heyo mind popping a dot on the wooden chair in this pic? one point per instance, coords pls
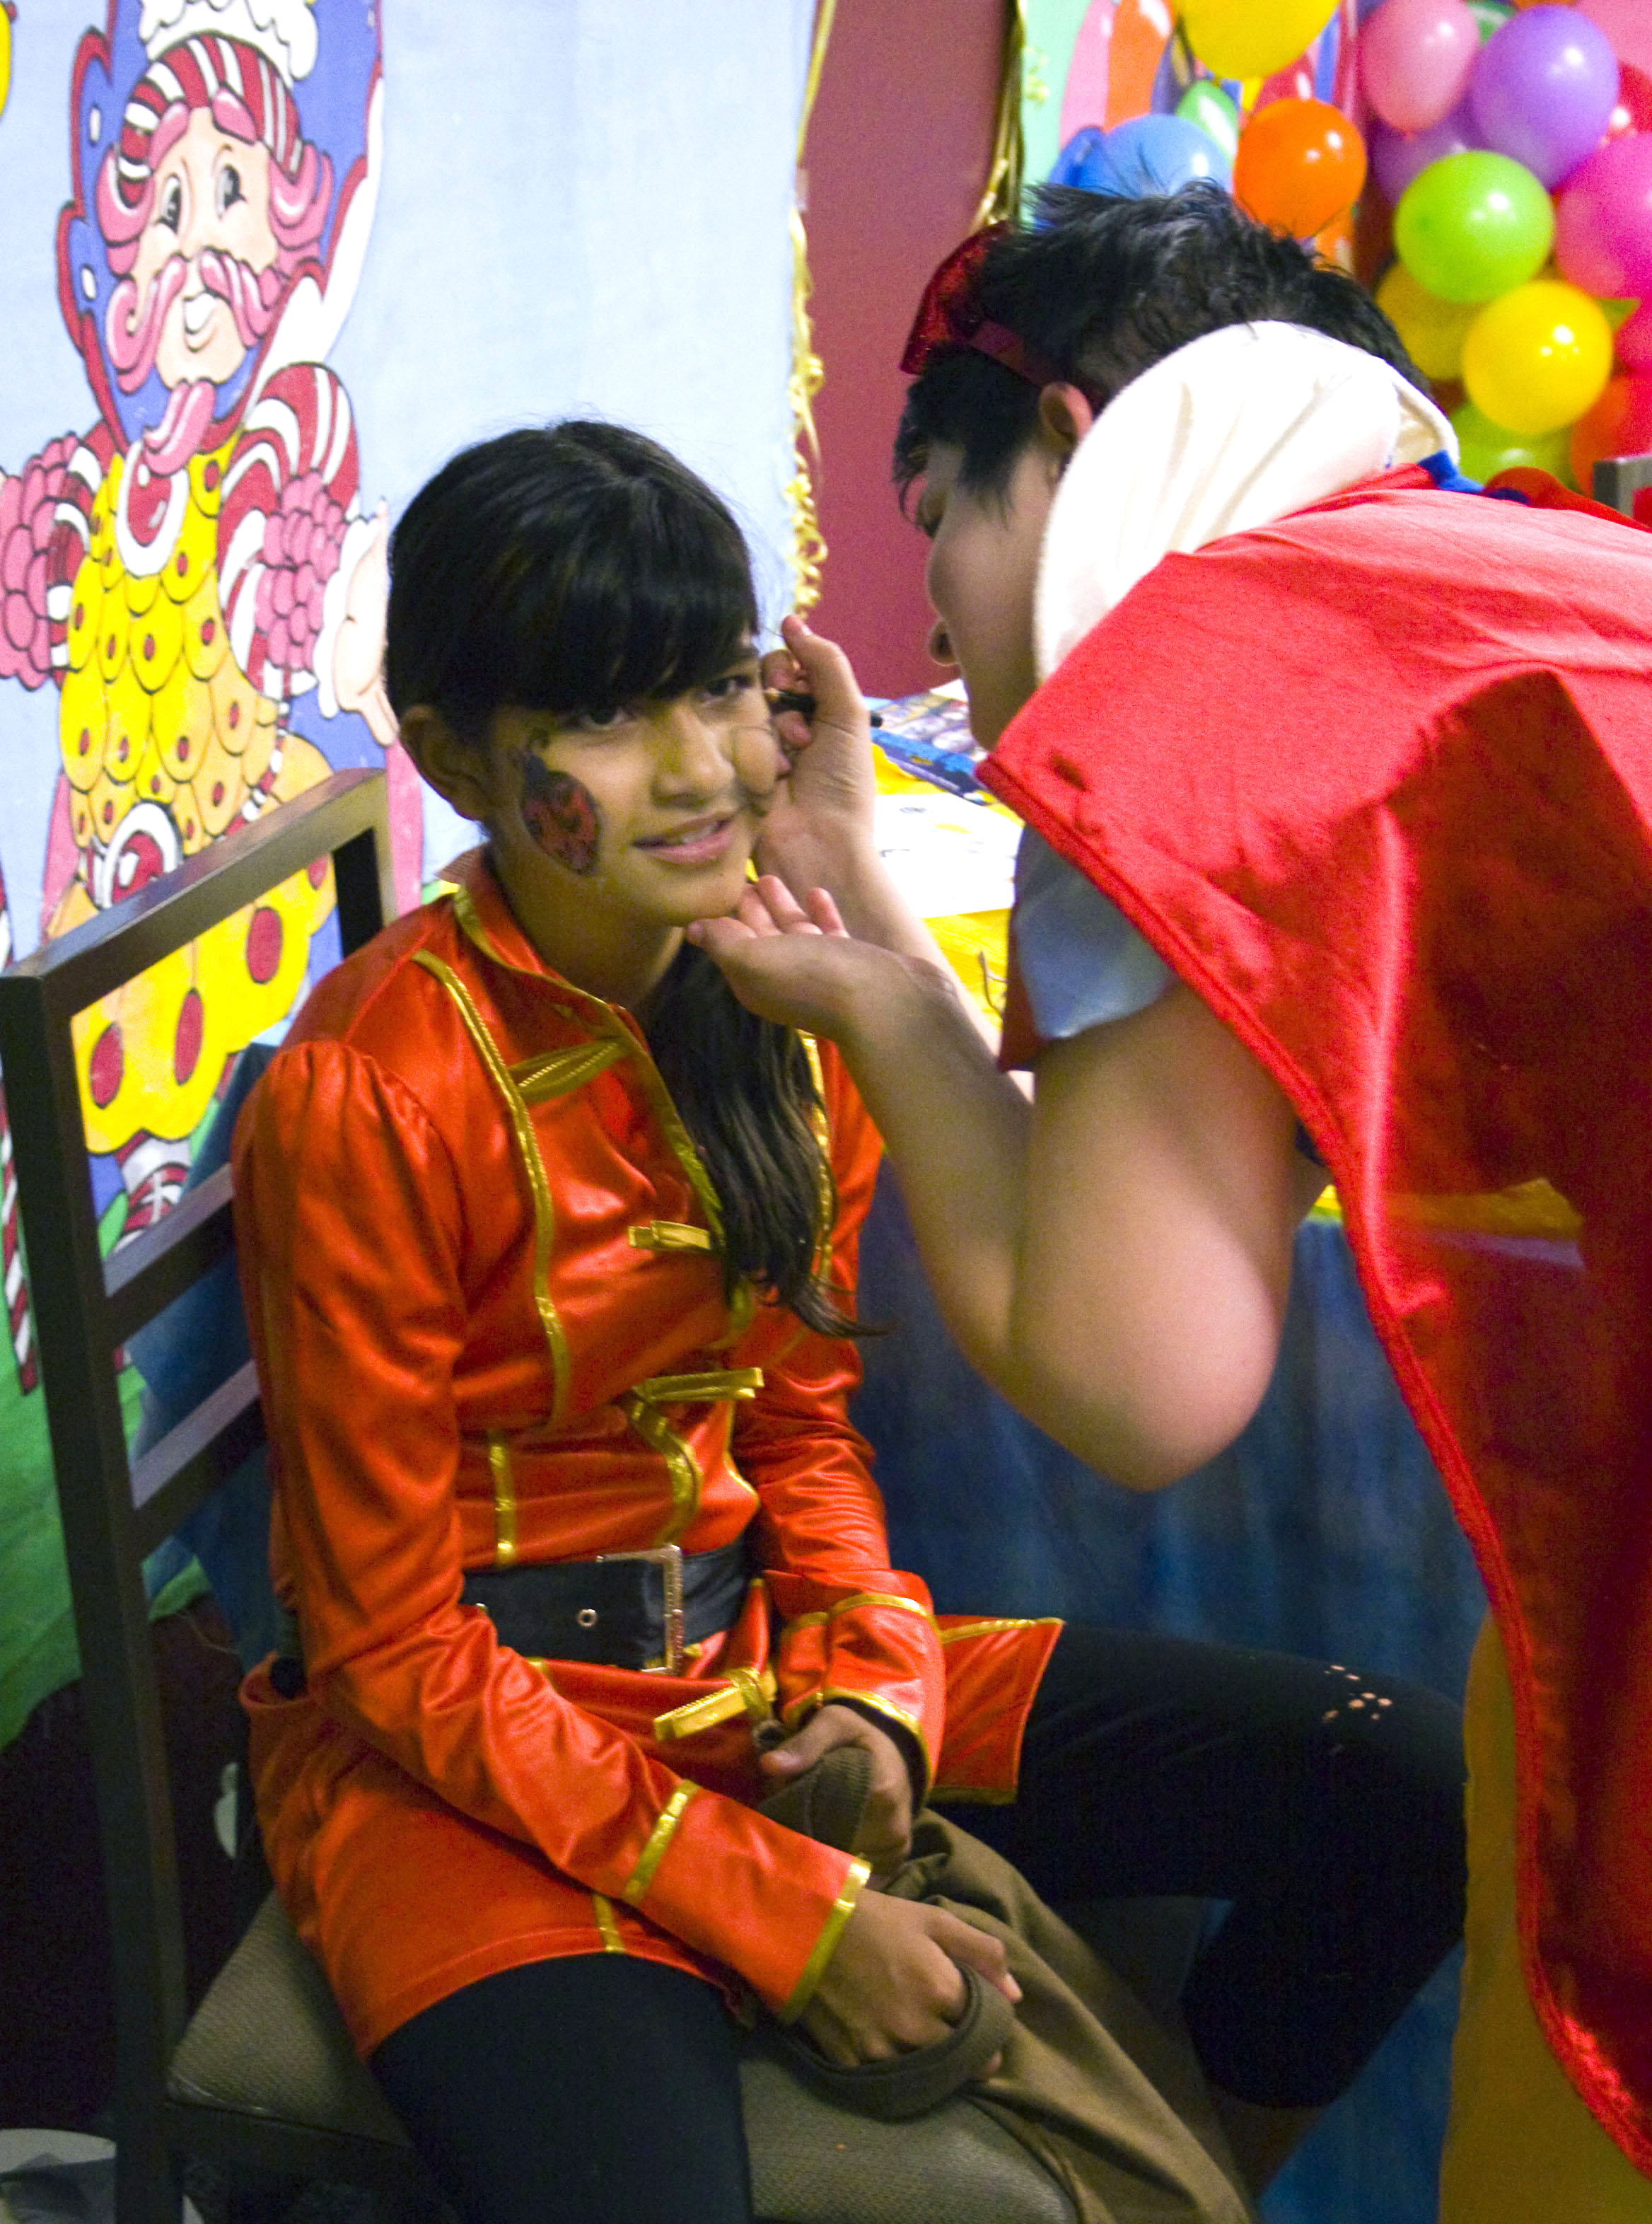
(262, 2078)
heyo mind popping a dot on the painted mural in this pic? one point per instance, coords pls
(193, 567)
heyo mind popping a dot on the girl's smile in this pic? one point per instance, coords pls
(701, 842)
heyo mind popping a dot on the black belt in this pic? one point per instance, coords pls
(621, 1609)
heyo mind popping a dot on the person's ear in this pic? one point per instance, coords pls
(1064, 416)
(459, 773)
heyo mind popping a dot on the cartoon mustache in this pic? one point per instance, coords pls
(132, 328)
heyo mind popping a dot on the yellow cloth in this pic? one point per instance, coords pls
(976, 944)
(1521, 2148)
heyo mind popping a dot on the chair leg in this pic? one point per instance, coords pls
(148, 2179)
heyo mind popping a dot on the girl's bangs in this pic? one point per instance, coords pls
(652, 598)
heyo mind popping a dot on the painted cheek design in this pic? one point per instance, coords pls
(561, 816)
(760, 761)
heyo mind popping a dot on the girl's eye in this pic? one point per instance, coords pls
(228, 188)
(172, 204)
(731, 685)
(601, 722)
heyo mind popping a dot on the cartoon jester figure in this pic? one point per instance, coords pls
(195, 572)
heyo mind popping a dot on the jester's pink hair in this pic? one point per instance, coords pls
(247, 98)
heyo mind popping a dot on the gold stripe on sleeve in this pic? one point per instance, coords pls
(826, 1945)
(504, 1484)
(991, 1628)
(603, 1909)
(659, 1838)
(883, 1598)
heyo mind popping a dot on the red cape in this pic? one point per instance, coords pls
(1377, 781)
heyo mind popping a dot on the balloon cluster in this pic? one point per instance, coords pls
(1515, 149)
(1296, 164)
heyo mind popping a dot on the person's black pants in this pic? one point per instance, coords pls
(1325, 1806)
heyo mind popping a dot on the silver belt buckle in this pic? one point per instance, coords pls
(668, 1558)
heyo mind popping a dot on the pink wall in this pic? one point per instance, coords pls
(899, 146)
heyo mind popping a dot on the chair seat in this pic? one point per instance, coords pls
(268, 2042)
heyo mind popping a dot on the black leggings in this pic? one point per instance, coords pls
(1325, 1806)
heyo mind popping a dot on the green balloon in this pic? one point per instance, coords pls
(1470, 226)
(1488, 449)
(1490, 15)
(1207, 106)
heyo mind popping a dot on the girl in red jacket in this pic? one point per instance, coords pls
(549, 1255)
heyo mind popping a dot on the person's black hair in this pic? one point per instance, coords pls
(1103, 288)
(579, 568)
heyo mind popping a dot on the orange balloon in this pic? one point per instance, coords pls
(1300, 163)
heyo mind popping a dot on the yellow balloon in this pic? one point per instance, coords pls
(1433, 330)
(1538, 357)
(1252, 38)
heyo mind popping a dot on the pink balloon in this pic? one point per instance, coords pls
(1627, 24)
(1634, 341)
(1603, 221)
(1415, 58)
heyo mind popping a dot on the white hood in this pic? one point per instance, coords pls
(1232, 432)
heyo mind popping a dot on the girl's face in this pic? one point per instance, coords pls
(650, 815)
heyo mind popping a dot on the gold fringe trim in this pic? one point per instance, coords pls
(1000, 201)
(603, 1910)
(808, 548)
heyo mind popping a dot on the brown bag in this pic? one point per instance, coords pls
(1111, 2101)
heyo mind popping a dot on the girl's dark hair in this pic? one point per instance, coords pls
(1103, 288)
(578, 568)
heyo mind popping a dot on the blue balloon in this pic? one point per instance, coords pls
(1148, 155)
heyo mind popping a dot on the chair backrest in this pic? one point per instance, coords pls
(116, 1510)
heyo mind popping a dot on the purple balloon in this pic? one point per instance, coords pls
(1544, 88)
(1603, 221)
(1396, 157)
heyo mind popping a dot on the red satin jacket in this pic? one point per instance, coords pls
(480, 1257)
(1377, 781)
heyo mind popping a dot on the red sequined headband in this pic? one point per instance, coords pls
(950, 316)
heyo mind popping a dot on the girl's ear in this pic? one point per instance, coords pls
(1066, 415)
(459, 773)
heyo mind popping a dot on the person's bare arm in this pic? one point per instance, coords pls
(1114, 1258)
(819, 832)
